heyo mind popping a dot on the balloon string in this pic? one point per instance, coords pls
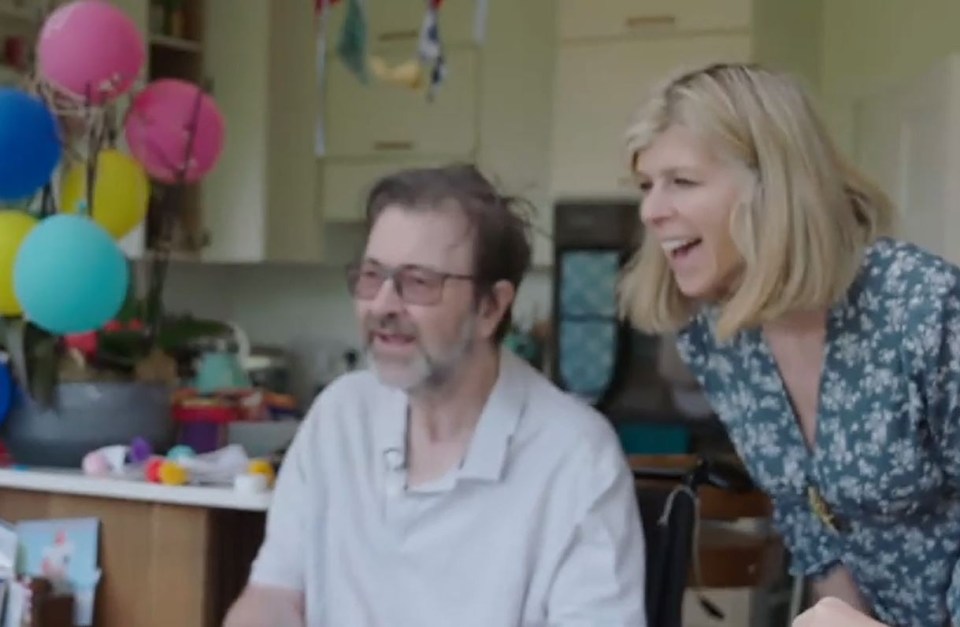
(172, 201)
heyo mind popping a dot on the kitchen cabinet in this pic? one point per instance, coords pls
(345, 185)
(373, 119)
(493, 110)
(394, 21)
(582, 19)
(514, 110)
(598, 86)
(259, 203)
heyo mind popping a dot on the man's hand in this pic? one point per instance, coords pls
(832, 612)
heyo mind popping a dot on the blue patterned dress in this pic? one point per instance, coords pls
(886, 459)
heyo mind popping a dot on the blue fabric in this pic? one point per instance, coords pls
(588, 327)
(886, 456)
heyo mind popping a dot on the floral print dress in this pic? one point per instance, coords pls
(885, 462)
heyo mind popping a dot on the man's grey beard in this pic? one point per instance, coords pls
(431, 371)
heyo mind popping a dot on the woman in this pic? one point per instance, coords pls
(830, 351)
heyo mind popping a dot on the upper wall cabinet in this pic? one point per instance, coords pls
(377, 118)
(392, 21)
(493, 109)
(259, 202)
(597, 89)
(579, 19)
(610, 54)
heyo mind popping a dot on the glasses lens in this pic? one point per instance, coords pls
(419, 286)
(364, 282)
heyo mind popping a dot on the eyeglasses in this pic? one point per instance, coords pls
(415, 285)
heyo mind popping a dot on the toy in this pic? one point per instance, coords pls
(264, 468)
(172, 473)
(95, 464)
(140, 451)
(180, 451)
(151, 471)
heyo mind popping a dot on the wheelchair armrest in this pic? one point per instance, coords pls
(661, 474)
(722, 475)
(718, 474)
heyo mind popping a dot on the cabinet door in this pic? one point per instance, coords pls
(614, 18)
(598, 86)
(400, 20)
(237, 57)
(345, 185)
(377, 119)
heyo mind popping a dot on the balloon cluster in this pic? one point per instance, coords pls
(61, 268)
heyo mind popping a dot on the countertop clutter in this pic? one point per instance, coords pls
(74, 482)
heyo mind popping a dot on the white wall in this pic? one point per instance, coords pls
(303, 308)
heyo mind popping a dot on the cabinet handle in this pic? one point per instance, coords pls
(399, 35)
(649, 21)
(393, 145)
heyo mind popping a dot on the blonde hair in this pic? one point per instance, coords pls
(802, 228)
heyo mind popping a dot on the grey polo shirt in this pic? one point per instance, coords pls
(538, 525)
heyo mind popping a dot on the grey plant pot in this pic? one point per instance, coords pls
(86, 416)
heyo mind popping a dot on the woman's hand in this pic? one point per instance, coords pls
(832, 612)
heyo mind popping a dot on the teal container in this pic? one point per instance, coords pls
(640, 439)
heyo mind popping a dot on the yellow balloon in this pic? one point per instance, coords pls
(14, 228)
(120, 194)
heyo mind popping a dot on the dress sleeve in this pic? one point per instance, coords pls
(932, 351)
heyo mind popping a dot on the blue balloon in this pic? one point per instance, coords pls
(70, 276)
(29, 144)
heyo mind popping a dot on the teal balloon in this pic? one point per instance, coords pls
(29, 144)
(70, 276)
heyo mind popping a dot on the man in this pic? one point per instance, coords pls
(451, 484)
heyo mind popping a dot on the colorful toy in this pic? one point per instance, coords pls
(151, 471)
(181, 451)
(140, 451)
(96, 464)
(172, 473)
(262, 467)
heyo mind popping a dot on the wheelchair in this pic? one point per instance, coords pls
(669, 505)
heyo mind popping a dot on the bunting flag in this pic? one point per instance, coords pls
(480, 10)
(352, 46)
(321, 10)
(430, 47)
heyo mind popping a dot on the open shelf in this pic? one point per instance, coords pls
(179, 44)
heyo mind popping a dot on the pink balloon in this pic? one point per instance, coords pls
(157, 129)
(90, 49)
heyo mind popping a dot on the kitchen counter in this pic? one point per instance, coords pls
(169, 555)
(67, 481)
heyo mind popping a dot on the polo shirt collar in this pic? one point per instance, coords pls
(486, 455)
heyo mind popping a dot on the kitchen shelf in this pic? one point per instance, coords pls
(179, 44)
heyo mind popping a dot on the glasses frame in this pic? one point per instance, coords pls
(395, 276)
